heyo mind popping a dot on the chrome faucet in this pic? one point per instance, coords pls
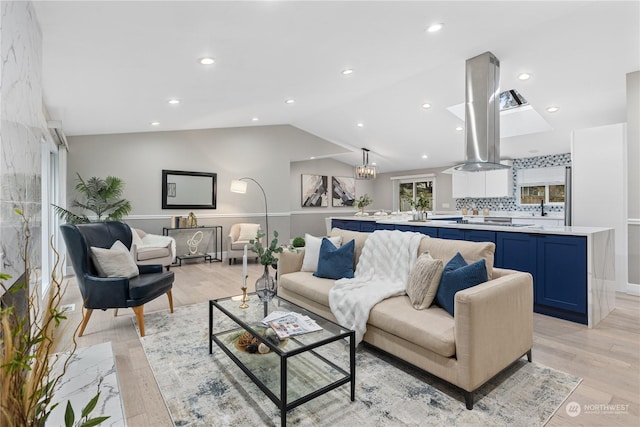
(542, 212)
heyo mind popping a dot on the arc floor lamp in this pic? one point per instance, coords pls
(240, 186)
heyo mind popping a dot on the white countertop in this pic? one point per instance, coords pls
(531, 229)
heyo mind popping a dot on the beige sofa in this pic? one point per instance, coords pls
(492, 328)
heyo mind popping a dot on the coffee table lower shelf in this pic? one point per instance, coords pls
(298, 361)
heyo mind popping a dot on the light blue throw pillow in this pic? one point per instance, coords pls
(335, 263)
(456, 276)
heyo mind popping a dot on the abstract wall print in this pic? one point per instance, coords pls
(314, 191)
(343, 191)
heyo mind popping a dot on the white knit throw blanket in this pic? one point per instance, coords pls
(382, 271)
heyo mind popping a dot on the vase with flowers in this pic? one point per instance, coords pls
(362, 202)
(266, 286)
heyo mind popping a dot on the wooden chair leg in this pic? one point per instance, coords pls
(85, 320)
(115, 313)
(170, 296)
(139, 311)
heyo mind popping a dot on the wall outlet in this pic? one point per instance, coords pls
(445, 205)
(67, 307)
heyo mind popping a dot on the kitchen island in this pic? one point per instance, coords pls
(573, 268)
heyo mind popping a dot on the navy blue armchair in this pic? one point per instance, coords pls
(112, 292)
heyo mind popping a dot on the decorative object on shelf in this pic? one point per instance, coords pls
(314, 191)
(192, 221)
(298, 242)
(420, 204)
(363, 201)
(343, 191)
(102, 198)
(248, 343)
(266, 286)
(238, 186)
(244, 280)
(365, 171)
(194, 241)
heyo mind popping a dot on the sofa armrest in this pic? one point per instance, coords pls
(290, 261)
(493, 326)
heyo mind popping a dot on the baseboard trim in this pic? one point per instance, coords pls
(633, 289)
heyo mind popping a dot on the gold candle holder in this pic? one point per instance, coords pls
(245, 298)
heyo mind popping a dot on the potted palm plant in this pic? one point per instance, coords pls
(102, 197)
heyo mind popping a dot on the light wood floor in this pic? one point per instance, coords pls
(606, 357)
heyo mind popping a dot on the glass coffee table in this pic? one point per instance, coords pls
(296, 369)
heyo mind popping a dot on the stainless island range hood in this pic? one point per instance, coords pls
(482, 114)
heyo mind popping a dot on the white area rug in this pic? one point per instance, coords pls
(202, 389)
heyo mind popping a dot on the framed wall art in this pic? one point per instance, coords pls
(343, 191)
(314, 191)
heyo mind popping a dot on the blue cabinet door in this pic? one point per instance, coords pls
(451, 233)
(404, 227)
(517, 251)
(429, 231)
(480, 236)
(367, 226)
(385, 227)
(562, 273)
(346, 224)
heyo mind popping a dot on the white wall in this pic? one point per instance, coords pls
(633, 178)
(599, 178)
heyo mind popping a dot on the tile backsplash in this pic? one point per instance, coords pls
(510, 203)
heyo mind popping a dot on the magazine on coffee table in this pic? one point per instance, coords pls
(287, 324)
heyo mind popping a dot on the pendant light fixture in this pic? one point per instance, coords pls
(366, 171)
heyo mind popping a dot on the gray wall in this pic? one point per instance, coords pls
(633, 156)
(312, 220)
(261, 152)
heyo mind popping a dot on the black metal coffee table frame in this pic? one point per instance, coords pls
(282, 403)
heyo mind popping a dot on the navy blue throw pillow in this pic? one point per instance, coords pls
(335, 263)
(456, 276)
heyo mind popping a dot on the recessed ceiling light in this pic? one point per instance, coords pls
(374, 164)
(360, 125)
(255, 119)
(289, 101)
(424, 156)
(347, 71)
(524, 76)
(155, 123)
(435, 28)
(552, 109)
(459, 128)
(207, 61)
(426, 105)
(174, 101)
(312, 157)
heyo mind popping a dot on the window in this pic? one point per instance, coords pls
(409, 188)
(541, 185)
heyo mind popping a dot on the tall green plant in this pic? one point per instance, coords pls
(102, 197)
(27, 379)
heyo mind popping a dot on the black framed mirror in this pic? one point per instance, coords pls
(188, 190)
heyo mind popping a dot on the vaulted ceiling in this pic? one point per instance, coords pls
(112, 67)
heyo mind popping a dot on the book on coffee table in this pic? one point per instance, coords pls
(289, 324)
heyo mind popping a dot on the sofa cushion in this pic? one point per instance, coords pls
(424, 280)
(312, 251)
(248, 231)
(146, 253)
(432, 329)
(459, 275)
(357, 236)
(335, 263)
(307, 285)
(114, 262)
(446, 249)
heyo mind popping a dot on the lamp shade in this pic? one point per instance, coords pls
(238, 186)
